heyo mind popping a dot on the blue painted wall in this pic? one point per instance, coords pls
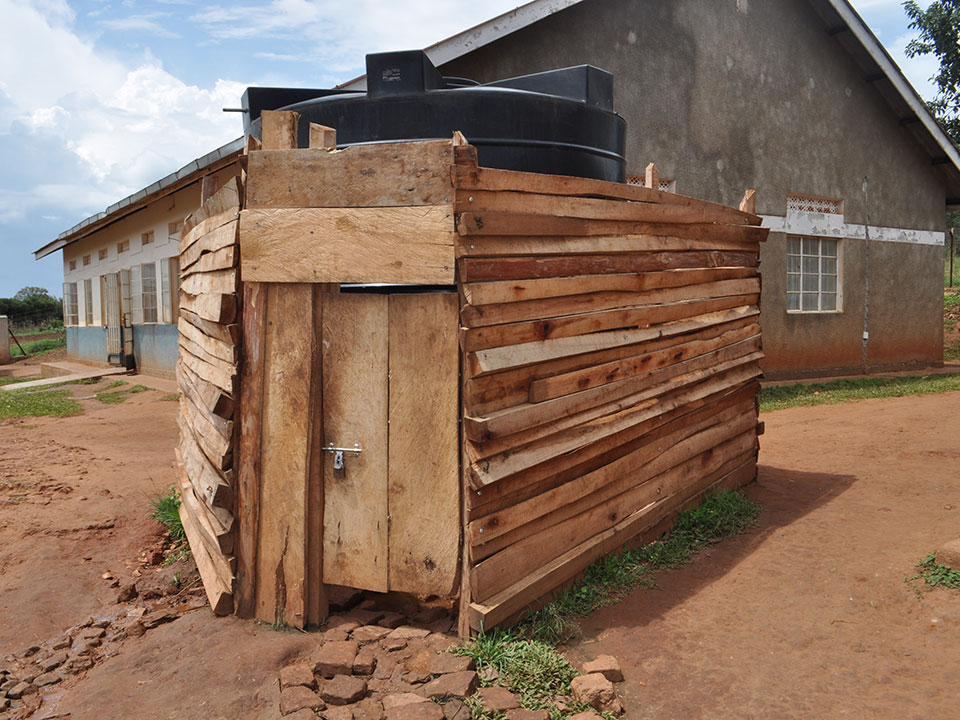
(87, 343)
(156, 349)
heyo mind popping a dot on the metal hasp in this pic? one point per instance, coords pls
(559, 122)
(338, 454)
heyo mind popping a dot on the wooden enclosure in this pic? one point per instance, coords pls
(452, 379)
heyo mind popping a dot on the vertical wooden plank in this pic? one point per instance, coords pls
(355, 411)
(317, 603)
(278, 129)
(323, 137)
(284, 450)
(424, 493)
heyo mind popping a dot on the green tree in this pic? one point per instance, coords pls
(939, 34)
(32, 291)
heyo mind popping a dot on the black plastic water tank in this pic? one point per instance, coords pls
(560, 122)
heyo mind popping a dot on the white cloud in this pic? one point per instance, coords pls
(129, 125)
(148, 22)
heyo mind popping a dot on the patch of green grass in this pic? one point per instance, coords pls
(847, 390)
(24, 403)
(951, 299)
(118, 396)
(166, 511)
(39, 347)
(609, 579)
(935, 575)
(115, 384)
(12, 380)
(171, 396)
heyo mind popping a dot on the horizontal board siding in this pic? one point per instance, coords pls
(611, 353)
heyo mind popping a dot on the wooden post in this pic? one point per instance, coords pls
(278, 129)
(208, 187)
(652, 177)
(323, 137)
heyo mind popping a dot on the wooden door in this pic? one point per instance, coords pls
(390, 384)
(110, 295)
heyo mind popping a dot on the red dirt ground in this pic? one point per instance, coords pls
(805, 617)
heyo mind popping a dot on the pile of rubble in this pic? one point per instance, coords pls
(370, 666)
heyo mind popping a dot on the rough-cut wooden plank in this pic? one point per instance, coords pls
(218, 593)
(533, 330)
(509, 566)
(602, 374)
(412, 245)
(248, 449)
(217, 240)
(284, 443)
(226, 352)
(488, 393)
(216, 307)
(355, 366)
(749, 202)
(529, 415)
(218, 281)
(471, 224)
(394, 174)
(205, 395)
(209, 484)
(322, 137)
(222, 259)
(229, 334)
(545, 308)
(224, 203)
(211, 369)
(475, 269)
(474, 178)
(424, 487)
(674, 239)
(209, 433)
(217, 538)
(492, 360)
(660, 454)
(481, 203)
(525, 594)
(683, 405)
(510, 291)
(498, 467)
(278, 129)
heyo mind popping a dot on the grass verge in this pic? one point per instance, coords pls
(38, 347)
(24, 403)
(114, 397)
(166, 511)
(847, 390)
(524, 656)
(934, 575)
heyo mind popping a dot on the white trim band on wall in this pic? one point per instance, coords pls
(833, 226)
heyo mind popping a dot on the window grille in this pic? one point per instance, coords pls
(86, 260)
(169, 289)
(123, 246)
(813, 274)
(88, 301)
(148, 290)
(102, 255)
(805, 203)
(70, 304)
(146, 238)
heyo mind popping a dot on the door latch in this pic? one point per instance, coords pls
(338, 454)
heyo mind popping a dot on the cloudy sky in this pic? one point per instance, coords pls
(99, 98)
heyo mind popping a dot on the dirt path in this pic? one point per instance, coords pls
(806, 617)
(809, 615)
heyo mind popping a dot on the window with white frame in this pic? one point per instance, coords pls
(70, 315)
(169, 289)
(813, 275)
(88, 301)
(148, 292)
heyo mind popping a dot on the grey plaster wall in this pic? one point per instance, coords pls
(726, 95)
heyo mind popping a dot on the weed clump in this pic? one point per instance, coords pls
(166, 511)
(934, 575)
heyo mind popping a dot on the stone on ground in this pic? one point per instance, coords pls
(497, 699)
(344, 689)
(46, 679)
(607, 666)
(949, 554)
(415, 711)
(369, 633)
(336, 658)
(398, 699)
(338, 713)
(456, 710)
(299, 698)
(524, 714)
(299, 674)
(405, 632)
(365, 662)
(448, 662)
(585, 716)
(457, 684)
(597, 692)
